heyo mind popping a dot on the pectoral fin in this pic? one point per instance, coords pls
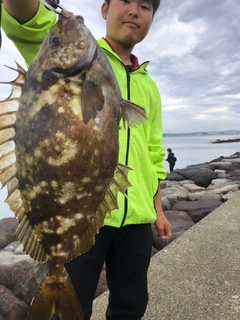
(132, 114)
(92, 99)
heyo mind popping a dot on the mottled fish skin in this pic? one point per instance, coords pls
(63, 173)
(68, 164)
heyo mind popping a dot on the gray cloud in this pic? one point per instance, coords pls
(194, 50)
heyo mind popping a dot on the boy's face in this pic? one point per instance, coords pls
(128, 21)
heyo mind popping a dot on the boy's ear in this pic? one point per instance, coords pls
(104, 9)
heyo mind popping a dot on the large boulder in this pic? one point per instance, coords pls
(197, 210)
(174, 176)
(174, 194)
(20, 277)
(234, 175)
(11, 308)
(223, 165)
(205, 196)
(7, 230)
(201, 176)
(223, 186)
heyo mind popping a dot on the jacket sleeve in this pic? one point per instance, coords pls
(29, 36)
(156, 149)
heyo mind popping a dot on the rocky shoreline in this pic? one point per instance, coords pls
(225, 141)
(188, 195)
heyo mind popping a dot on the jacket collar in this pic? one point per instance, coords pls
(106, 46)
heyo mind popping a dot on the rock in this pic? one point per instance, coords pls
(166, 204)
(13, 247)
(7, 230)
(197, 210)
(173, 216)
(226, 189)
(102, 283)
(236, 154)
(201, 176)
(154, 251)
(221, 173)
(11, 308)
(193, 188)
(234, 160)
(167, 184)
(182, 183)
(227, 165)
(21, 274)
(174, 194)
(221, 183)
(234, 175)
(205, 165)
(174, 176)
(204, 196)
(217, 159)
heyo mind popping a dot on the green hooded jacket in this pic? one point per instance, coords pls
(140, 148)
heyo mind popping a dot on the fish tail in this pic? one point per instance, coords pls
(56, 296)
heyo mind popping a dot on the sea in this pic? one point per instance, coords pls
(188, 150)
(198, 149)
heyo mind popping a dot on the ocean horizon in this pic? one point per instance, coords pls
(197, 149)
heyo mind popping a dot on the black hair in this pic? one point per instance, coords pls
(155, 4)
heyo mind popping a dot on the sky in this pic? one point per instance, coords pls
(194, 51)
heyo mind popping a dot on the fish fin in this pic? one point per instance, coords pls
(120, 183)
(56, 296)
(85, 243)
(132, 114)
(92, 99)
(27, 237)
(8, 169)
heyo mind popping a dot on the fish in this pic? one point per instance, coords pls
(59, 155)
(0, 23)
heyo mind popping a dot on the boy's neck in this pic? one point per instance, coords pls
(123, 52)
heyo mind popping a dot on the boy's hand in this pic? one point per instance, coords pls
(163, 226)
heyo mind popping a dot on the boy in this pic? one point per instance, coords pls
(125, 241)
(171, 159)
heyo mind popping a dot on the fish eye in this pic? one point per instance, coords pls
(55, 41)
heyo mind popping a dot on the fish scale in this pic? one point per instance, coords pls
(59, 155)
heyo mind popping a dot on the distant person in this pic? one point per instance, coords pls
(171, 159)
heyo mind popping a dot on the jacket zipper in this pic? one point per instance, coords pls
(128, 130)
(127, 150)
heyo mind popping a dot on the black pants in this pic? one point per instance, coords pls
(171, 166)
(127, 253)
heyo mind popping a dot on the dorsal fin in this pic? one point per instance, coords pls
(8, 170)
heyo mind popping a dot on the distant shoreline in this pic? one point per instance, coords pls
(224, 141)
(202, 133)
